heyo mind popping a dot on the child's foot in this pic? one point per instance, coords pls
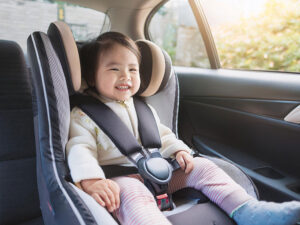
(267, 213)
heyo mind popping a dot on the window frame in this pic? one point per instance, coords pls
(20, 32)
(203, 28)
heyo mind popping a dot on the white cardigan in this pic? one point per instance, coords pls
(89, 147)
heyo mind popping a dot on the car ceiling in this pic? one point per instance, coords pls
(126, 16)
(105, 5)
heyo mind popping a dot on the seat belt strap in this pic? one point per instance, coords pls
(147, 125)
(109, 122)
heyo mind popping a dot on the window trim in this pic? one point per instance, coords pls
(149, 18)
(203, 27)
(206, 34)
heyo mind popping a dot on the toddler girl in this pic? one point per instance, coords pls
(110, 67)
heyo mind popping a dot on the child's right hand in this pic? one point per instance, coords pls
(105, 191)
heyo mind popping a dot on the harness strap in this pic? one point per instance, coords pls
(109, 122)
(147, 125)
(163, 199)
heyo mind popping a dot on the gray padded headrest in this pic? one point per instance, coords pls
(65, 47)
(155, 68)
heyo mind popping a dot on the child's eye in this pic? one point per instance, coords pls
(114, 69)
(133, 70)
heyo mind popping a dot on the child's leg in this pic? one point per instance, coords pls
(232, 198)
(138, 205)
(213, 182)
(267, 213)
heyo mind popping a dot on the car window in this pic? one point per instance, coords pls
(173, 27)
(19, 18)
(256, 34)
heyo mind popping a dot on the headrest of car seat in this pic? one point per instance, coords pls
(65, 46)
(14, 77)
(16, 104)
(155, 68)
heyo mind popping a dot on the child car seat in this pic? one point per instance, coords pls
(19, 202)
(159, 86)
(59, 197)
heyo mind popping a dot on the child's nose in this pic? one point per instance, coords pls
(125, 75)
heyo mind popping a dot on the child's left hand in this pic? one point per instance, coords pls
(185, 161)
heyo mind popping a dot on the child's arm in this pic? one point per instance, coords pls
(81, 148)
(185, 161)
(105, 191)
(83, 162)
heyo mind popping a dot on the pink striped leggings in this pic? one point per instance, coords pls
(138, 206)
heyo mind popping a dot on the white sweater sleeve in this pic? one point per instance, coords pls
(81, 148)
(170, 143)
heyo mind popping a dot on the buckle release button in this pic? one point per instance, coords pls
(158, 167)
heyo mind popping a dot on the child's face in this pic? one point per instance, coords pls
(118, 76)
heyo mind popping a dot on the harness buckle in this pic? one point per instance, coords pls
(164, 202)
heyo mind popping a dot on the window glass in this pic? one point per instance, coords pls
(174, 28)
(256, 34)
(19, 18)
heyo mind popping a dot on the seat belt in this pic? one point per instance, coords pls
(155, 170)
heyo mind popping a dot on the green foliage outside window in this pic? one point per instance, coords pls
(268, 41)
(174, 29)
(169, 41)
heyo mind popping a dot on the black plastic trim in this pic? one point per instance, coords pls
(264, 107)
(279, 185)
(238, 84)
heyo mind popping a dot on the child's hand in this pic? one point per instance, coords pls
(185, 161)
(105, 191)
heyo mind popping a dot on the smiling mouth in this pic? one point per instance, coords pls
(123, 87)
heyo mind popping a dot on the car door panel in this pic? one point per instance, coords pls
(270, 108)
(239, 116)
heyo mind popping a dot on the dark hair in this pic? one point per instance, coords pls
(91, 52)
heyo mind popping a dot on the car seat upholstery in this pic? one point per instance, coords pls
(53, 71)
(19, 193)
(61, 202)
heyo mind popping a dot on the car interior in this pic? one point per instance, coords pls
(245, 121)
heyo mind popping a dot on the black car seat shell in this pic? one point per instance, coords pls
(61, 201)
(19, 199)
